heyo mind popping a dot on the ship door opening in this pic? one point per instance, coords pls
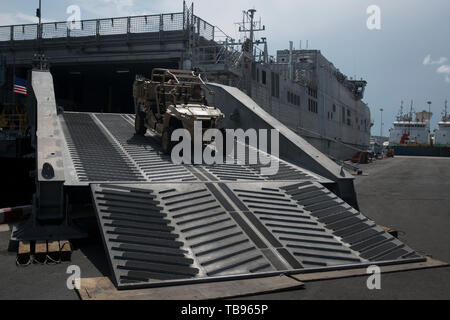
(104, 88)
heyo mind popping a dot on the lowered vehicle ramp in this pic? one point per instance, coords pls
(165, 224)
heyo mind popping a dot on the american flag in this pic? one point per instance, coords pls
(20, 86)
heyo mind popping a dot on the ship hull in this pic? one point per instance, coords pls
(422, 151)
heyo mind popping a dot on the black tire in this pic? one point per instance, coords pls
(166, 140)
(139, 124)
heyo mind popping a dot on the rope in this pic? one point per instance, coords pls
(23, 265)
(50, 260)
(35, 261)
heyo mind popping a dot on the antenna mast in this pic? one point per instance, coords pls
(251, 26)
(410, 117)
(445, 110)
(400, 116)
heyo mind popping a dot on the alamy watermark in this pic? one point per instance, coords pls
(251, 147)
(74, 280)
(374, 19)
(374, 280)
(74, 19)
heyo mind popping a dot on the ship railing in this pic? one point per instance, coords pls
(218, 55)
(109, 26)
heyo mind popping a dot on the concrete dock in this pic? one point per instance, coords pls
(408, 194)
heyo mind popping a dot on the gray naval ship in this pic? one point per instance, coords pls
(165, 224)
(300, 88)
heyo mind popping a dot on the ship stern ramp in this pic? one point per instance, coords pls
(167, 224)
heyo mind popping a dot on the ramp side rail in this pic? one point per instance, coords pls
(50, 165)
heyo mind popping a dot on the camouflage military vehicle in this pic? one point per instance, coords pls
(170, 100)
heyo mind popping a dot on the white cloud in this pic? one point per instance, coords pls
(444, 69)
(7, 19)
(22, 17)
(19, 18)
(440, 61)
(429, 61)
(108, 8)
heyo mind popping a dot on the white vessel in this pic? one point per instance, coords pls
(410, 131)
(442, 135)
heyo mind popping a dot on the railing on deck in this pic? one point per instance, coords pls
(218, 54)
(104, 27)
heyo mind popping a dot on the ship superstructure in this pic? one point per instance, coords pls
(314, 99)
(301, 88)
(442, 135)
(410, 130)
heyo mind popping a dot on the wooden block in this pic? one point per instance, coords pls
(24, 252)
(65, 250)
(326, 275)
(391, 231)
(53, 250)
(40, 251)
(4, 228)
(104, 289)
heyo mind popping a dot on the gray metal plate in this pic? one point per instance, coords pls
(103, 148)
(166, 233)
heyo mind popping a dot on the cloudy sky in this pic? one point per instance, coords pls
(408, 59)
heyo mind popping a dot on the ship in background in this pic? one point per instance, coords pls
(300, 88)
(442, 135)
(410, 131)
(411, 134)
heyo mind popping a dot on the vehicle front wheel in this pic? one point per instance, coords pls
(166, 140)
(139, 124)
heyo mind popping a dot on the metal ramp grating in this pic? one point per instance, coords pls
(94, 155)
(166, 224)
(170, 233)
(103, 148)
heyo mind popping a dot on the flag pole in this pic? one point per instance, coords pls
(14, 78)
(39, 26)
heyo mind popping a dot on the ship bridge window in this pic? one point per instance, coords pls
(312, 92)
(293, 98)
(330, 115)
(312, 106)
(275, 84)
(272, 84)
